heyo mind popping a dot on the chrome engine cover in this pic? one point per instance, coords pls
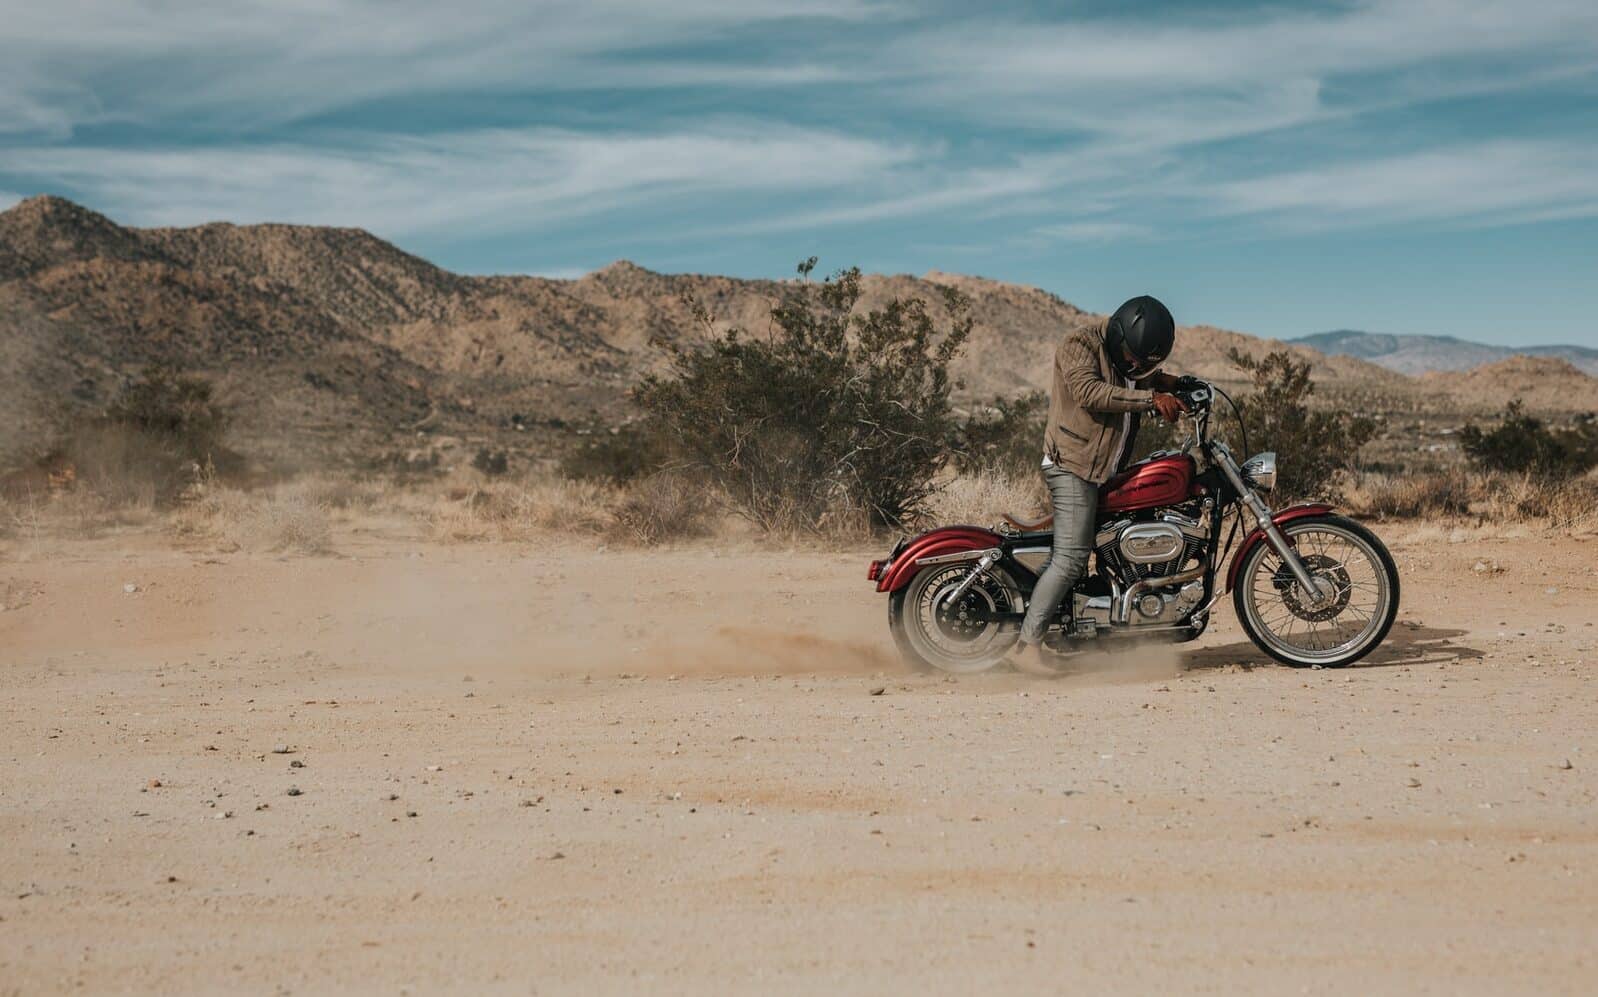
(1152, 543)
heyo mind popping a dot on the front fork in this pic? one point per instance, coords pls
(1273, 534)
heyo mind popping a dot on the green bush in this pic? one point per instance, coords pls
(1524, 444)
(834, 415)
(1311, 446)
(1004, 435)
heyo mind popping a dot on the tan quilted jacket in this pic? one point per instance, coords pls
(1087, 406)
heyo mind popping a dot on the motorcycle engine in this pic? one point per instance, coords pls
(1151, 548)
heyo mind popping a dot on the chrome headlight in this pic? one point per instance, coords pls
(1260, 471)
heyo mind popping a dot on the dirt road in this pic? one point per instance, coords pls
(416, 768)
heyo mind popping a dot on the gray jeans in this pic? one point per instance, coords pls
(1076, 504)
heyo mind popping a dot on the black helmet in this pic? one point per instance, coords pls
(1139, 336)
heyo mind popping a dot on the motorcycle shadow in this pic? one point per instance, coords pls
(1406, 644)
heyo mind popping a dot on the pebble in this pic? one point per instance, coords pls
(1565, 765)
(878, 690)
(1414, 783)
(281, 749)
(295, 791)
(296, 764)
(130, 588)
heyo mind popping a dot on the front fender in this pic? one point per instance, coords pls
(1257, 535)
(944, 540)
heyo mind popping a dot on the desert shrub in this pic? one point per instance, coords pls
(159, 432)
(178, 410)
(833, 415)
(663, 507)
(276, 520)
(1521, 443)
(490, 462)
(1311, 446)
(289, 522)
(617, 455)
(1004, 435)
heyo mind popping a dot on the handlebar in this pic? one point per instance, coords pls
(1195, 394)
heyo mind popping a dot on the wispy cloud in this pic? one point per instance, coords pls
(1092, 231)
(487, 181)
(277, 60)
(1483, 182)
(1075, 126)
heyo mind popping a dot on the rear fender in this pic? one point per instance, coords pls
(1257, 536)
(944, 540)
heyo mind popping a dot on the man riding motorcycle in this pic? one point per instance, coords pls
(1106, 374)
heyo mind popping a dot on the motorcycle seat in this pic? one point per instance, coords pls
(1024, 526)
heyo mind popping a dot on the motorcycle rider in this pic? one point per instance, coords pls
(1106, 374)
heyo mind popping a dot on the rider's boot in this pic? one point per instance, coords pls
(1036, 659)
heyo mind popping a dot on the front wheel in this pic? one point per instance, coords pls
(962, 638)
(1360, 596)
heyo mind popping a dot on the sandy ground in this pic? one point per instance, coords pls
(413, 768)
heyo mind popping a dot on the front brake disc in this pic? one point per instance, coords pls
(1319, 566)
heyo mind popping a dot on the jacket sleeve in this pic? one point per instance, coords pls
(1158, 381)
(1078, 369)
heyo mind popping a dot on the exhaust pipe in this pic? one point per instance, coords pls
(1122, 611)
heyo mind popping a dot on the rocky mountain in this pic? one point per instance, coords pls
(330, 342)
(1422, 354)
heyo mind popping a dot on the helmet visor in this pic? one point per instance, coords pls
(1137, 367)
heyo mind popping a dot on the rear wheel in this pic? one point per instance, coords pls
(1357, 604)
(962, 638)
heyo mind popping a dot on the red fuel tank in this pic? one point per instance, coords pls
(1163, 481)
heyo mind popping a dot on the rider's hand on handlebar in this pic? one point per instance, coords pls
(1168, 406)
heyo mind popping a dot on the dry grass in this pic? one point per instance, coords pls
(78, 514)
(1410, 496)
(304, 515)
(652, 510)
(484, 510)
(982, 497)
(1459, 494)
(270, 520)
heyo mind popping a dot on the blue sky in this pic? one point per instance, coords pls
(1396, 165)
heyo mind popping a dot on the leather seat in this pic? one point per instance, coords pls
(1021, 526)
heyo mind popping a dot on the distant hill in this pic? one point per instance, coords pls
(1542, 383)
(1423, 354)
(331, 343)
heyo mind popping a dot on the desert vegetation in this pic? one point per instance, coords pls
(835, 423)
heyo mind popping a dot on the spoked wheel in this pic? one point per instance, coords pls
(962, 638)
(1354, 607)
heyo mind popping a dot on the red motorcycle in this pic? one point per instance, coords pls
(1310, 587)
